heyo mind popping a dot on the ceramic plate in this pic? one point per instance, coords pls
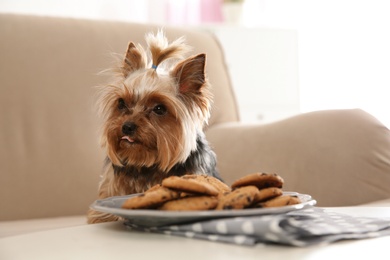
(150, 217)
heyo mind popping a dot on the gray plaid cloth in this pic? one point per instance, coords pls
(298, 228)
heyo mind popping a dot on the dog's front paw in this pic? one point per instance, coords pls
(95, 217)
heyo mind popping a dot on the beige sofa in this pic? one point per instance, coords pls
(50, 160)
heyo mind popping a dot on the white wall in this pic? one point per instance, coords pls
(344, 53)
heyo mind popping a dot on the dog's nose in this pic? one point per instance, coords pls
(129, 128)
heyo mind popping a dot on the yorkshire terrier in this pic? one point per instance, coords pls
(154, 113)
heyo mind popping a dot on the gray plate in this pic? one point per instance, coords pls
(154, 218)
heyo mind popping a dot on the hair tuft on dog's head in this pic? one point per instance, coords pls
(161, 50)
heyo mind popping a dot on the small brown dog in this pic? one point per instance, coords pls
(154, 112)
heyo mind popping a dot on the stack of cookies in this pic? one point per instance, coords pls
(203, 192)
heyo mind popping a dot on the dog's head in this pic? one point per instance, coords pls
(155, 107)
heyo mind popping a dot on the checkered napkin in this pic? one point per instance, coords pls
(298, 228)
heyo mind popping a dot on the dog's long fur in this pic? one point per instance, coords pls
(154, 113)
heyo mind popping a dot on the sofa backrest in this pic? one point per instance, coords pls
(50, 159)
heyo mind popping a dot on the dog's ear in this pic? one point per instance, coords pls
(190, 73)
(133, 60)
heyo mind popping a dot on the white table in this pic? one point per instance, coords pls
(114, 241)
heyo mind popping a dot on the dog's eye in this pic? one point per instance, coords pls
(160, 110)
(121, 104)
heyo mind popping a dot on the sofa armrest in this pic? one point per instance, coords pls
(340, 157)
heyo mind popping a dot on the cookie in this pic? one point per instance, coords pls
(280, 201)
(155, 187)
(267, 194)
(189, 186)
(260, 180)
(219, 185)
(238, 199)
(151, 199)
(191, 203)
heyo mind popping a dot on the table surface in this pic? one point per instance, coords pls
(114, 241)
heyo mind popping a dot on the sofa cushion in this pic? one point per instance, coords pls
(19, 227)
(50, 159)
(340, 157)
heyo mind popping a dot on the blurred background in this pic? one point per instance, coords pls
(322, 54)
